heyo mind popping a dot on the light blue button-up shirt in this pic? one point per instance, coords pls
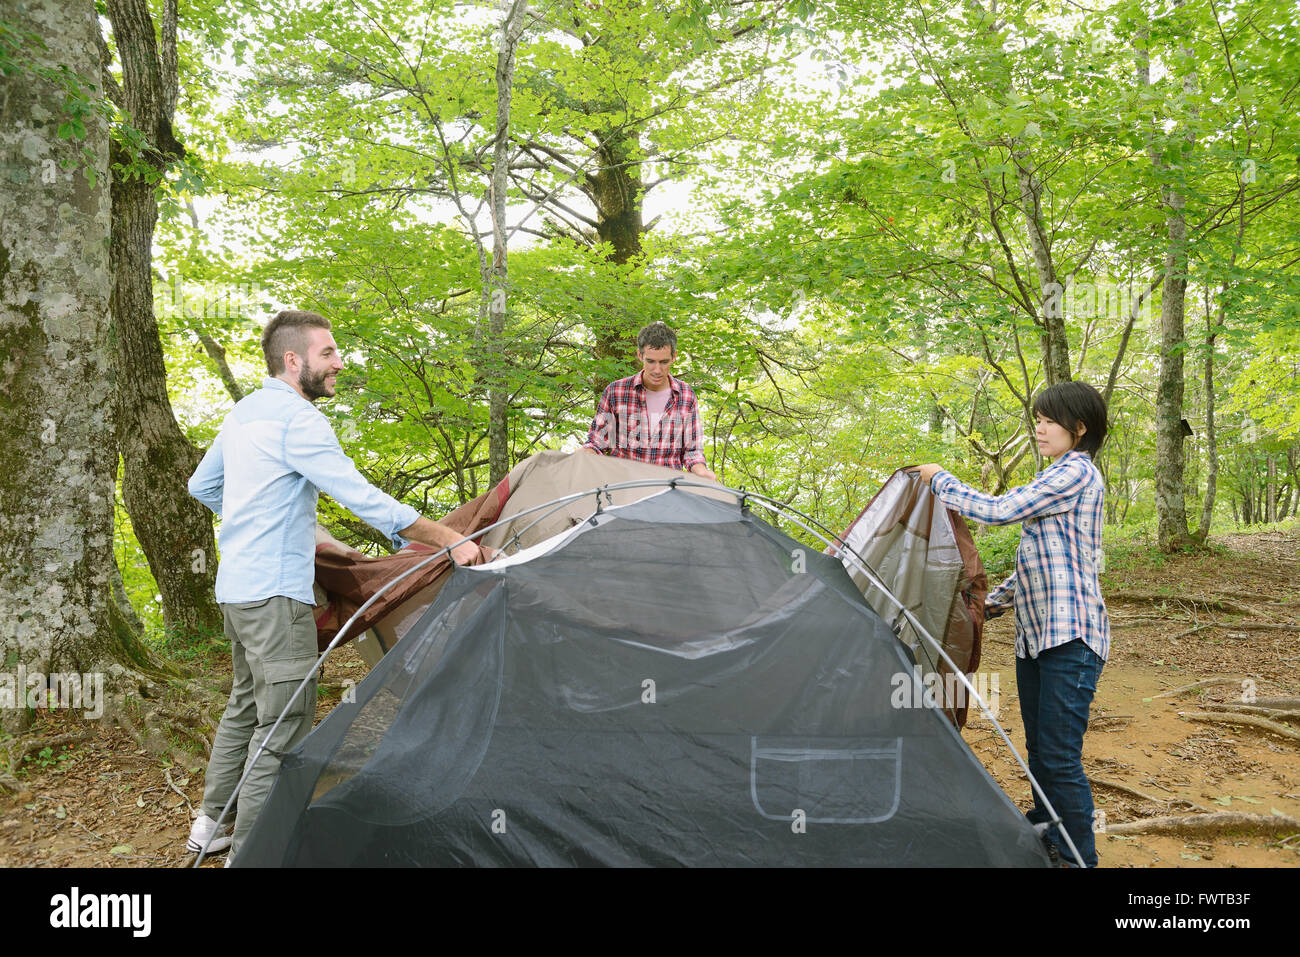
(262, 475)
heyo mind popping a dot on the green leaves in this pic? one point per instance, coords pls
(848, 254)
(72, 129)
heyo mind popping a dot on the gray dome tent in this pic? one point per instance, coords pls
(673, 681)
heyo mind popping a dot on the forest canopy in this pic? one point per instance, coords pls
(878, 228)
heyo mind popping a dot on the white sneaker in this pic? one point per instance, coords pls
(204, 827)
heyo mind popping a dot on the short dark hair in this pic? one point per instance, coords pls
(287, 332)
(657, 335)
(1071, 404)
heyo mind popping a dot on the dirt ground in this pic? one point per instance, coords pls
(1165, 637)
(110, 803)
(1177, 621)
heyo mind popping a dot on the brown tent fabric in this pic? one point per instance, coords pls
(926, 556)
(345, 578)
(551, 475)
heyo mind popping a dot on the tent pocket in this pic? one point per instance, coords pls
(856, 782)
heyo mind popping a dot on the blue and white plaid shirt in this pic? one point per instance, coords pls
(1054, 588)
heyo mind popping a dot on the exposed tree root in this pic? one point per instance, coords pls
(1125, 789)
(1247, 720)
(1197, 685)
(1280, 714)
(1209, 825)
(176, 726)
(1213, 602)
(1253, 596)
(1286, 704)
(1235, 626)
(1118, 623)
(172, 784)
(1191, 631)
(1106, 719)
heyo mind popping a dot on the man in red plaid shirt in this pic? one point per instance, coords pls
(651, 417)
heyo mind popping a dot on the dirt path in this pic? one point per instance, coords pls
(109, 804)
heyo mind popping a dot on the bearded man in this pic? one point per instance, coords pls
(262, 475)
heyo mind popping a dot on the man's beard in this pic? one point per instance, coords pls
(313, 384)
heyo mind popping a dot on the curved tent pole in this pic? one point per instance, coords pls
(793, 514)
(557, 505)
(337, 640)
(338, 637)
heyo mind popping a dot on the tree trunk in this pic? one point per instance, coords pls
(174, 530)
(498, 281)
(1270, 489)
(125, 610)
(1136, 304)
(56, 461)
(1248, 492)
(1052, 336)
(1294, 469)
(1171, 509)
(1211, 441)
(1172, 531)
(217, 353)
(934, 419)
(615, 190)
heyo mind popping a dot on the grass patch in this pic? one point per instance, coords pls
(997, 546)
(48, 758)
(1126, 557)
(187, 648)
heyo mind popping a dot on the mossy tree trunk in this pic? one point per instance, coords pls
(57, 460)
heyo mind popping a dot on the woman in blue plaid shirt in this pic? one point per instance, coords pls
(1062, 630)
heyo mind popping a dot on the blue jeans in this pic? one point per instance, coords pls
(1056, 690)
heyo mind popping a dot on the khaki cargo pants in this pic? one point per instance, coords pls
(273, 647)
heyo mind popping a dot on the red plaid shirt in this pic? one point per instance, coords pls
(622, 425)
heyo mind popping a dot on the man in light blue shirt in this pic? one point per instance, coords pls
(262, 475)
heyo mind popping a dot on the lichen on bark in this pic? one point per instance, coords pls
(57, 462)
